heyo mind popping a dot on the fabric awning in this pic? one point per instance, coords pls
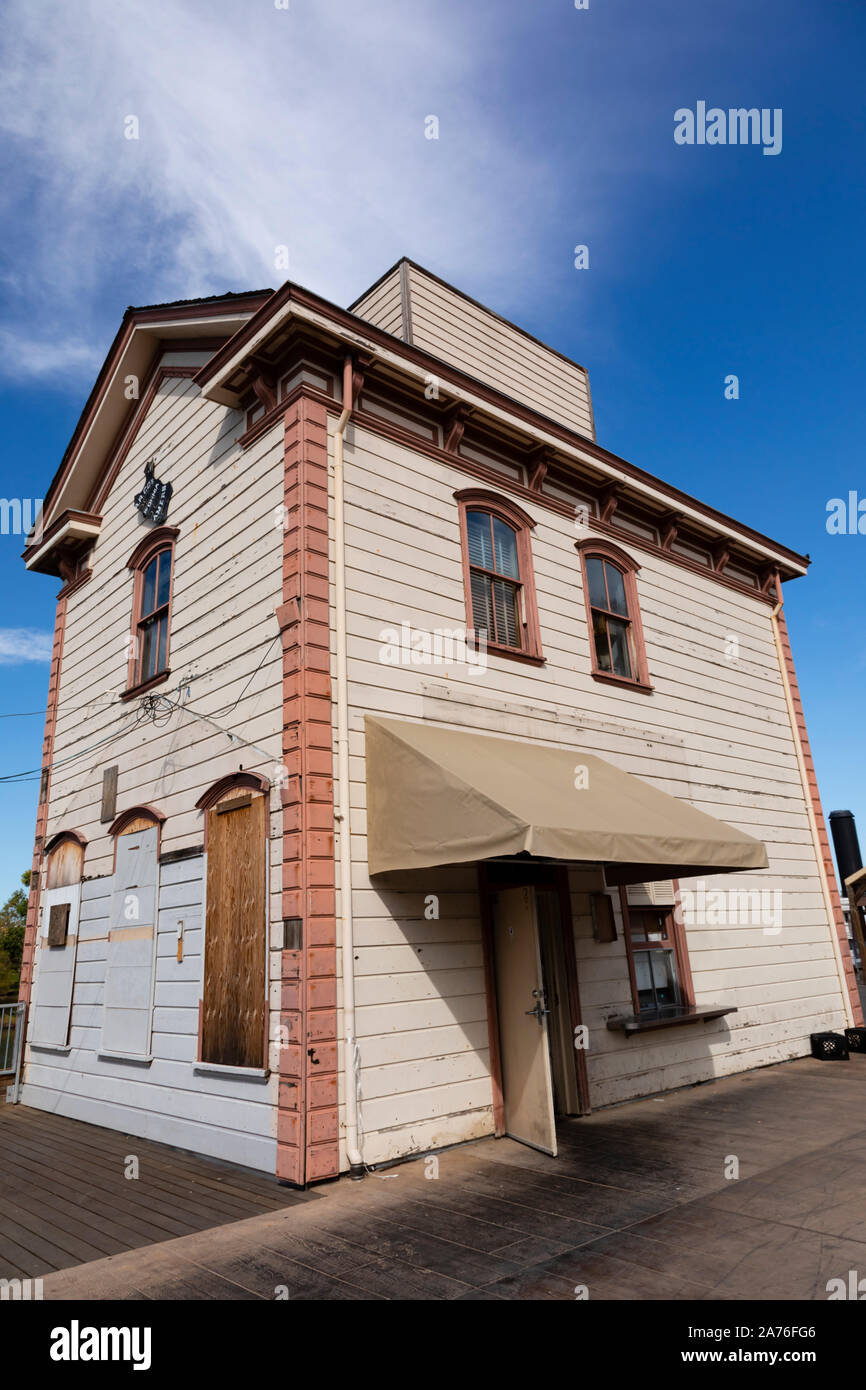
(450, 796)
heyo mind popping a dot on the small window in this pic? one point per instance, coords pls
(500, 594)
(616, 638)
(149, 645)
(655, 963)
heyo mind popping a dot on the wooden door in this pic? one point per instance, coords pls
(233, 1006)
(526, 1079)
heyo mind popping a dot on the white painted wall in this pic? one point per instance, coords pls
(714, 733)
(225, 658)
(166, 1099)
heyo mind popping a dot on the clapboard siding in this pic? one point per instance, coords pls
(166, 1099)
(383, 304)
(715, 733)
(477, 341)
(225, 645)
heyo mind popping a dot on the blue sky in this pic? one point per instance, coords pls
(304, 127)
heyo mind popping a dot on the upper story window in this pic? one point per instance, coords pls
(613, 614)
(497, 570)
(152, 562)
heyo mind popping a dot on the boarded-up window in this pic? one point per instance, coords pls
(58, 924)
(55, 967)
(233, 1007)
(55, 959)
(128, 1000)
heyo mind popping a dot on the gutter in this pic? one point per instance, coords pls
(351, 1052)
(813, 824)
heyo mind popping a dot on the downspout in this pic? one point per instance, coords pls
(810, 811)
(351, 1055)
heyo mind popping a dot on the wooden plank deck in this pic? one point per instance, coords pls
(639, 1204)
(65, 1198)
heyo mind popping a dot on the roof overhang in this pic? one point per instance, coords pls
(228, 375)
(56, 551)
(144, 335)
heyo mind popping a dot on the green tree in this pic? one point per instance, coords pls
(13, 915)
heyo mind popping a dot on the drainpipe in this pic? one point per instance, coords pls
(810, 811)
(351, 1057)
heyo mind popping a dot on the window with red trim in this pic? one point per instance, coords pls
(153, 563)
(613, 613)
(658, 960)
(497, 563)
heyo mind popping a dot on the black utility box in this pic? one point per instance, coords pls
(856, 1039)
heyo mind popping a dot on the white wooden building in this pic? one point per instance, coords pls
(415, 769)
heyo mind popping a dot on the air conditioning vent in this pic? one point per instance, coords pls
(657, 894)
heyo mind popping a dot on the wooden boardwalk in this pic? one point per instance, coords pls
(641, 1203)
(65, 1198)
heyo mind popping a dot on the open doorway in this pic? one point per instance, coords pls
(533, 1001)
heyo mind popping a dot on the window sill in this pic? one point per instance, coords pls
(644, 1023)
(643, 686)
(143, 687)
(145, 1058)
(242, 1073)
(62, 1049)
(513, 654)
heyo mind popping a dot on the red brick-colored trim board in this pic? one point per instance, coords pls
(826, 852)
(307, 1114)
(32, 919)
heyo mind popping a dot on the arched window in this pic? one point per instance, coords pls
(612, 610)
(497, 570)
(152, 562)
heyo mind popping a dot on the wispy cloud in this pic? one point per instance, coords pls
(25, 358)
(20, 644)
(258, 128)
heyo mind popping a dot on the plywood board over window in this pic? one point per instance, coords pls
(233, 1004)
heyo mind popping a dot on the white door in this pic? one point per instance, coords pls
(526, 1080)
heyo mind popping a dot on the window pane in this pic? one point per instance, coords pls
(616, 590)
(643, 979)
(505, 546)
(148, 592)
(620, 659)
(479, 541)
(599, 634)
(595, 579)
(482, 606)
(162, 587)
(163, 644)
(638, 930)
(507, 617)
(146, 635)
(664, 974)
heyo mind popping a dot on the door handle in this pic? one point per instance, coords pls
(538, 1012)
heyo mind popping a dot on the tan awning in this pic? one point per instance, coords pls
(448, 796)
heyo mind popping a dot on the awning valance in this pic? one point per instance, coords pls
(451, 796)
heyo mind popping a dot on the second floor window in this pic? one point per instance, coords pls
(497, 560)
(494, 578)
(152, 563)
(615, 634)
(611, 625)
(152, 626)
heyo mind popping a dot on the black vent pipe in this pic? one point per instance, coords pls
(844, 832)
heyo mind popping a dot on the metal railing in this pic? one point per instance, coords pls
(12, 1043)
